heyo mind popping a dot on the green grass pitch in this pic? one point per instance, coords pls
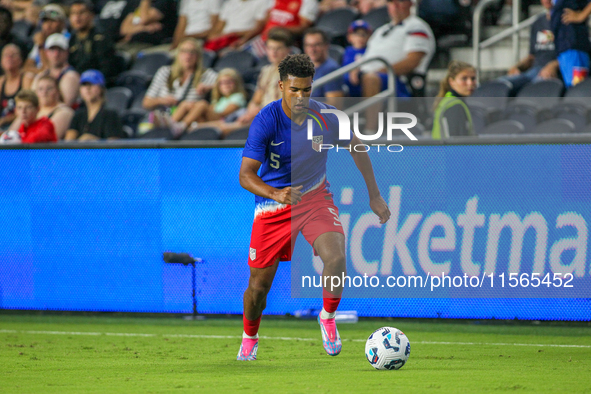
(81, 354)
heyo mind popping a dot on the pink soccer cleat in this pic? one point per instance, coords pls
(330, 336)
(248, 349)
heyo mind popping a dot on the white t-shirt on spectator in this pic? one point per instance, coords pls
(309, 10)
(242, 15)
(198, 14)
(393, 43)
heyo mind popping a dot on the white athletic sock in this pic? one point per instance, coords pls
(248, 336)
(325, 315)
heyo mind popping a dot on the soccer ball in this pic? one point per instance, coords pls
(387, 348)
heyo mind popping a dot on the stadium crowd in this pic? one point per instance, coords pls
(202, 69)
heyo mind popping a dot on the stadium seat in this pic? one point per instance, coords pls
(544, 93)
(494, 94)
(240, 134)
(581, 90)
(336, 52)
(157, 134)
(534, 102)
(251, 75)
(504, 127)
(241, 61)
(22, 29)
(555, 126)
(138, 100)
(335, 23)
(208, 58)
(262, 62)
(481, 116)
(132, 117)
(377, 17)
(118, 98)
(124, 59)
(149, 63)
(579, 95)
(528, 114)
(204, 134)
(136, 81)
(576, 112)
(250, 89)
(576, 105)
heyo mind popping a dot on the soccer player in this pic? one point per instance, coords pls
(292, 195)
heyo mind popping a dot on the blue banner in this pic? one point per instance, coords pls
(85, 229)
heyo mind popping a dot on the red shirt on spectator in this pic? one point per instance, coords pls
(41, 130)
(287, 13)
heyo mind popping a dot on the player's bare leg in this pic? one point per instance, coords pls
(331, 249)
(255, 301)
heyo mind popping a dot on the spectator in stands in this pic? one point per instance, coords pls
(293, 15)
(227, 97)
(94, 121)
(31, 129)
(237, 19)
(571, 32)
(12, 82)
(18, 9)
(407, 43)
(358, 33)
(52, 107)
(541, 62)
(89, 48)
(365, 6)
(267, 90)
(452, 116)
(56, 51)
(197, 19)
(6, 37)
(110, 18)
(150, 24)
(316, 45)
(331, 5)
(184, 80)
(53, 21)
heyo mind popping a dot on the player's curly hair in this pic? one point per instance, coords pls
(299, 66)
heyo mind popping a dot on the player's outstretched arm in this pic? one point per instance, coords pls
(363, 163)
(251, 181)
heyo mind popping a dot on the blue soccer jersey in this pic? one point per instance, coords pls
(288, 157)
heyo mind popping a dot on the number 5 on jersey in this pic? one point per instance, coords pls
(275, 160)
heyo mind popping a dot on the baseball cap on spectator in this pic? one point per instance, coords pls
(52, 12)
(359, 24)
(57, 40)
(93, 77)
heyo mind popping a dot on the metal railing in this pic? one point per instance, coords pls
(389, 92)
(513, 31)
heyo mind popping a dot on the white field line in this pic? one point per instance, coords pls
(133, 334)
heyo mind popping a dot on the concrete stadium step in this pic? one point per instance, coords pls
(494, 58)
